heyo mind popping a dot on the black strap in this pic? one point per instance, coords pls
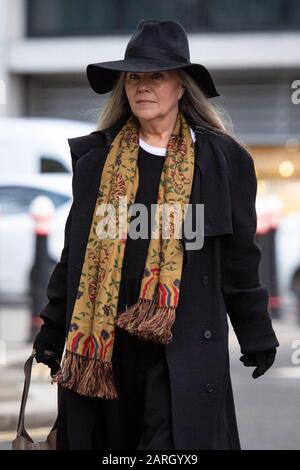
(21, 430)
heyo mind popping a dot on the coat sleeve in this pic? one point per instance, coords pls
(54, 312)
(245, 297)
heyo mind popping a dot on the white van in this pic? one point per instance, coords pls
(35, 160)
(288, 260)
(31, 145)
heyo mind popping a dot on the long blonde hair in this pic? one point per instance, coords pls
(194, 105)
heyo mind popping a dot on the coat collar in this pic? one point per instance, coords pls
(211, 185)
(97, 139)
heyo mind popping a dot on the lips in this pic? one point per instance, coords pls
(145, 101)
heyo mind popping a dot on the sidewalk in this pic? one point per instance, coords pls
(42, 400)
(41, 404)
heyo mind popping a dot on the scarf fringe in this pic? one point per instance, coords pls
(86, 376)
(148, 321)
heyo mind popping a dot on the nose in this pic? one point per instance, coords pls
(142, 86)
(142, 83)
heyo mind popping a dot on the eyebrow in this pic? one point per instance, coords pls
(149, 73)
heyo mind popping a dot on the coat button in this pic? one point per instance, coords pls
(207, 334)
(209, 388)
(204, 280)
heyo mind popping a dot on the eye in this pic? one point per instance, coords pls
(132, 76)
(157, 75)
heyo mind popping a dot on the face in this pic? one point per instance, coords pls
(153, 95)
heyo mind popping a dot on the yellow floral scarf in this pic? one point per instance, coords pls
(87, 363)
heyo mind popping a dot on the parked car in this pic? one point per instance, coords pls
(37, 145)
(17, 237)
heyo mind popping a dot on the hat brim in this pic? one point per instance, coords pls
(102, 75)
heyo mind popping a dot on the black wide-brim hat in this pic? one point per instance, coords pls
(155, 45)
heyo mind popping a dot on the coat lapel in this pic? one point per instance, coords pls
(211, 186)
(85, 187)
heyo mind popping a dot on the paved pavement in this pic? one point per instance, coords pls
(41, 404)
(268, 408)
(14, 350)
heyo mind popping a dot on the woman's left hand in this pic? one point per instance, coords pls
(262, 360)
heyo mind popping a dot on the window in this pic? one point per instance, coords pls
(50, 165)
(96, 17)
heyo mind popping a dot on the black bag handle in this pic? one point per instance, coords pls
(21, 430)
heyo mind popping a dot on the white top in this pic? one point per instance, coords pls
(159, 150)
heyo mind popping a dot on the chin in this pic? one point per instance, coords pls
(145, 114)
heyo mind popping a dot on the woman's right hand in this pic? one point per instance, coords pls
(49, 345)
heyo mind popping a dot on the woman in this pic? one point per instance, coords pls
(144, 320)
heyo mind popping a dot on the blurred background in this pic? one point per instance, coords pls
(252, 50)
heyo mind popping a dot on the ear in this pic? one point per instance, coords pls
(182, 92)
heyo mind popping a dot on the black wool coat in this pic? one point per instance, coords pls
(219, 280)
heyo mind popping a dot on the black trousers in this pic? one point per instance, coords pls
(140, 418)
(157, 418)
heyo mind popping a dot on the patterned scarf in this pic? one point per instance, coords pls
(87, 363)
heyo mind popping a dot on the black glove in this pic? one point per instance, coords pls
(49, 345)
(262, 360)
